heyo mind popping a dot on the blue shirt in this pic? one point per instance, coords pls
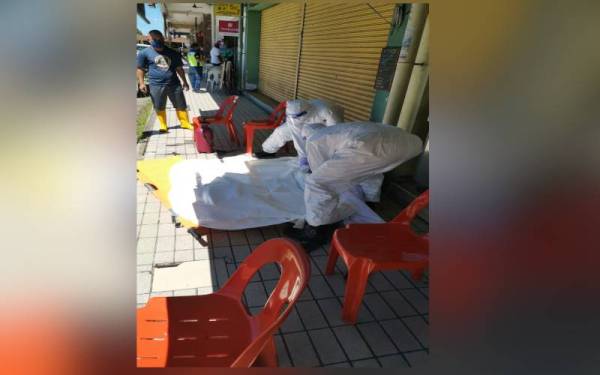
(161, 65)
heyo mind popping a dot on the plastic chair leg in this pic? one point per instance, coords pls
(268, 357)
(233, 133)
(358, 275)
(333, 256)
(249, 139)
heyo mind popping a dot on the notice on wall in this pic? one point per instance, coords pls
(229, 26)
(232, 10)
(387, 68)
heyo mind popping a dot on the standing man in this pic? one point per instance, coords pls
(215, 55)
(194, 59)
(164, 65)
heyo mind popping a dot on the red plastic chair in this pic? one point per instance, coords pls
(216, 330)
(224, 116)
(367, 248)
(274, 120)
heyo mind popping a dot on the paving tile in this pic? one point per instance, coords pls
(270, 272)
(145, 258)
(146, 245)
(327, 346)
(200, 254)
(161, 294)
(142, 298)
(332, 309)
(398, 303)
(166, 230)
(150, 230)
(164, 257)
(255, 294)
(283, 359)
(337, 283)
(393, 361)
(144, 268)
(378, 307)
(341, 364)
(377, 338)
(184, 255)
(400, 335)
(219, 239)
(301, 349)
(223, 252)
(205, 290)
(366, 363)
(144, 280)
(269, 232)
(352, 342)
(419, 328)
(319, 287)
(380, 283)
(150, 218)
(240, 252)
(185, 242)
(238, 238)
(417, 300)
(254, 236)
(185, 292)
(417, 283)
(220, 271)
(425, 291)
(151, 207)
(292, 322)
(165, 244)
(311, 315)
(417, 358)
(397, 279)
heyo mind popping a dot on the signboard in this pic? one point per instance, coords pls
(387, 68)
(229, 26)
(232, 10)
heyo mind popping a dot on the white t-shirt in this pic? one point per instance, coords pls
(214, 56)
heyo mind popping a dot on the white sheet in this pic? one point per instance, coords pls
(242, 192)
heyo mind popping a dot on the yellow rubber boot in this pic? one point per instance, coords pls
(183, 120)
(162, 119)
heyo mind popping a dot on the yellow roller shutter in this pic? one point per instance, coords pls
(341, 48)
(279, 42)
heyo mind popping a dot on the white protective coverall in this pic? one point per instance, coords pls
(298, 113)
(346, 155)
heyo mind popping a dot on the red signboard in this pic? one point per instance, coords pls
(229, 26)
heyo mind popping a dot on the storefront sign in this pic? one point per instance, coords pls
(229, 26)
(232, 10)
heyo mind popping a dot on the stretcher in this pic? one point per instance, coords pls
(233, 193)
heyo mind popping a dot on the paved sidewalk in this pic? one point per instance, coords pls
(393, 324)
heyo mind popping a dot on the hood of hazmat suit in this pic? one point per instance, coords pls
(350, 154)
(299, 113)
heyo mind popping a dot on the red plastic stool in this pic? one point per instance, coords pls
(274, 120)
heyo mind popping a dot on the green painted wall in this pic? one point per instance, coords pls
(394, 40)
(253, 46)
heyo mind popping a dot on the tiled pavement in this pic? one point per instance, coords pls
(393, 324)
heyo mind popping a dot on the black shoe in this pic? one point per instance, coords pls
(163, 131)
(264, 155)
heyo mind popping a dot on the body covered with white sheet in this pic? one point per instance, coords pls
(345, 156)
(299, 113)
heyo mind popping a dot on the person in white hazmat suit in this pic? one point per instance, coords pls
(298, 113)
(341, 158)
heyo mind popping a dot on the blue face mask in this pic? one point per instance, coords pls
(156, 43)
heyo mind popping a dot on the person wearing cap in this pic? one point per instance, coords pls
(299, 113)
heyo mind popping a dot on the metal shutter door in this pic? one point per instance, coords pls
(279, 42)
(341, 48)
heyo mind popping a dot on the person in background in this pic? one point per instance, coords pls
(195, 68)
(215, 55)
(226, 51)
(164, 65)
